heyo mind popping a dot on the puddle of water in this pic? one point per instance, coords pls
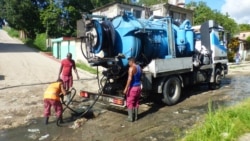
(35, 131)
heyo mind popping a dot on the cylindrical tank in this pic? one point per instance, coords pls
(126, 42)
(146, 38)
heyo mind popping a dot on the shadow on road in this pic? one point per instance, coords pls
(201, 88)
(15, 48)
(155, 104)
(2, 77)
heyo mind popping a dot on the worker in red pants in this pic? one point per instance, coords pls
(133, 89)
(52, 99)
(65, 73)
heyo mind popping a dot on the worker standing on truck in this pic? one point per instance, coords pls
(52, 99)
(133, 89)
(65, 72)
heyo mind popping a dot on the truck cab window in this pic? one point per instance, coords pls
(221, 37)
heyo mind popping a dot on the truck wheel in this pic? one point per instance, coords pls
(217, 80)
(171, 91)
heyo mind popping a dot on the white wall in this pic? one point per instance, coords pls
(79, 55)
(116, 9)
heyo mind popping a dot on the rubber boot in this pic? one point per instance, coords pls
(60, 119)
(136, 110)
(46, 120)
(130, 115)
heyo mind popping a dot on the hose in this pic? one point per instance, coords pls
(73, 90)
(86, 56)
(34, 84)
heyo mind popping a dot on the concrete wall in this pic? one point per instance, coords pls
(243, 35)
(79, 55)
(116, 9)
(176, 12)
(60, 48)
(110, 12)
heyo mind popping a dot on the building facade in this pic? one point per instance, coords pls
(177, 12)
(243, 47)
(115, 8)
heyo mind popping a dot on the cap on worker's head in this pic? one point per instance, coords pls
(59, 80)
(131, 59)
(69, 55)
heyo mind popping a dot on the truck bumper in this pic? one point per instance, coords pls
(117, 101)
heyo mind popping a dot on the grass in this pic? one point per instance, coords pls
(12, 32)
(225, 124)
(85, 67)
(39, 42)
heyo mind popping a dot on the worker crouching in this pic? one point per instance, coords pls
(52, 99)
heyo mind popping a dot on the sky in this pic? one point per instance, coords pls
(239, 10)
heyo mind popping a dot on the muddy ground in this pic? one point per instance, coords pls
(24, 74)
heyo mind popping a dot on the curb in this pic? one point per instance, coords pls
(49, 56)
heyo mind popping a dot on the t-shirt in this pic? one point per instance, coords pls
(67, 67)
(53, 91)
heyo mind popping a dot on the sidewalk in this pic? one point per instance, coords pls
(241, 63)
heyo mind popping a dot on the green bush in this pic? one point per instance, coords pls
(12, 32)
(40, 42)
(230, 56)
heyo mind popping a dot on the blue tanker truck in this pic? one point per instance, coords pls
(173, 55)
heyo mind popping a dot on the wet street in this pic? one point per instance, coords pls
(23, 80)
(156, 122)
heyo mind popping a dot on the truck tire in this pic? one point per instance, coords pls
(171, 91)
(217, 80)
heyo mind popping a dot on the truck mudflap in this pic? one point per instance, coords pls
(118, 101)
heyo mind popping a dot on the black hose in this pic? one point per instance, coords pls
(85, 55)
(100, 91)
(34, 84)
(67, 105)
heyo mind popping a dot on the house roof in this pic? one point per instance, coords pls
(178, 7)
(243, 35)
(113, 3)
(167, 5)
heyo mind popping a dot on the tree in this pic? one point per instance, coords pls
(247, 45)
(152, 2)
(203, 13)
(233, 44)
(24, 15)
(244, 27)
(98, 3)
(2, 7)
(233, 47)
(72, 11)
(51, 19)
